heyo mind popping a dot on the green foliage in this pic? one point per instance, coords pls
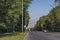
(50, 22)
(11, 14)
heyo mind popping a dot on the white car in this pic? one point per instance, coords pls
(45, 30)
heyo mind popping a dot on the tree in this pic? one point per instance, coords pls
(51, 21)
(11, 14)
(57, 1)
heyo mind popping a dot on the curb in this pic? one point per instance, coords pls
(26, 36)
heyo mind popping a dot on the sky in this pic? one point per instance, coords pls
(39, 8)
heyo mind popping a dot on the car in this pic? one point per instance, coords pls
(44, 30)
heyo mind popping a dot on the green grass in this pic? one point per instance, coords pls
(15, 36)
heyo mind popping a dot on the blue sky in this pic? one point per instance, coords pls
(39, 8)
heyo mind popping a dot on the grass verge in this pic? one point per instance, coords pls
(15, 36)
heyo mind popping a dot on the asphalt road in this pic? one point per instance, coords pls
(42, 36)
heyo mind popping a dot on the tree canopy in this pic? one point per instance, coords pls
(50, 22)
(11, 14)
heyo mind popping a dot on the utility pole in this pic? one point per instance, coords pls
(22, 18)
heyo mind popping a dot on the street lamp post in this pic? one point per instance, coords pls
(22, 17)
